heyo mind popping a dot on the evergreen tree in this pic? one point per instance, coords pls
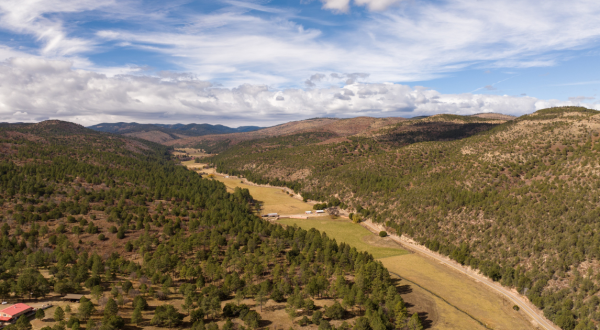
(111, 308)
(136, 317)
(40, 314)
(414, 323)
(23, 323)
(59, 314)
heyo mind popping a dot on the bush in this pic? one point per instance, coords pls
(320, 206)
(515, 307)
(335, 311)
(304, 321)
(316, 317)
(252, 319)
(233, 310)
(277, 295)
(382, 233)
(324, 325)
(101, 237)
(112, 229)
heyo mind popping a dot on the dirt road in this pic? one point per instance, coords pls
(517, 299)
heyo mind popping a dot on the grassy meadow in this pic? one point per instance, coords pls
(343, 230)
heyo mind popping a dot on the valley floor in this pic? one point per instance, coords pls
(443, 297)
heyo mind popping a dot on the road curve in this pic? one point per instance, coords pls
(533, 313)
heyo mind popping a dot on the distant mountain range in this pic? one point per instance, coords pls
(162, 133)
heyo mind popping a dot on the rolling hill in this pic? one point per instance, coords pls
(326, 128)
(518, 200)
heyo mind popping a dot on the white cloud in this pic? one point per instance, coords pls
(376, 5)
(337, 5)
(36, 18)
(343, 6)
(34, 89)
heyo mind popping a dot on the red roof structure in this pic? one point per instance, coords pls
(15, 310)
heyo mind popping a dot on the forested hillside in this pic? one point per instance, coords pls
(518, 201)
(119, 220)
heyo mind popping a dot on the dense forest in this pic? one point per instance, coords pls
(519, 201)
(120, 220)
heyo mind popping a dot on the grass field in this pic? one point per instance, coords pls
(351, 233)
(461, 291)
(274, 200)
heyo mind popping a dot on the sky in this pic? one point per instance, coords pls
(260, 62)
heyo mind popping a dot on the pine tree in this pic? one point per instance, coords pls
(23, 323)
(40, 314)
(59, 314)
(400, 314)
(136, 317)
(415, 323)
(111, 307)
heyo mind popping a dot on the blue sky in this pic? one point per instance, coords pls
(241, 62)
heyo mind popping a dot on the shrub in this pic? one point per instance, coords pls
(101, 237)
(382, 233)
(324, 325)
(304, 321)
(515, 307)
(277, 295)
(316, 317)
(320, 206)
(335, 311)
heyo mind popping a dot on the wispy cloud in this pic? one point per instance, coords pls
(419, 41)
(579, 83)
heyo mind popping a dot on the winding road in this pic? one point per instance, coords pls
(525, 306)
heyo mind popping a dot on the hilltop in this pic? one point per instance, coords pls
(516, 199)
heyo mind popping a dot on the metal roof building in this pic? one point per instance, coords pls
(13, 312)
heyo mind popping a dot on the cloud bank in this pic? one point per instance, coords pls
(34, 89)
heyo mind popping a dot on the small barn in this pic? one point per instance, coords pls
(272, 215)
(73, 297)
(320, 211)
(308, 212)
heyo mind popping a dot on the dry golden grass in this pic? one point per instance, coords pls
(192, 152)
(461, 291)
(273, 200)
